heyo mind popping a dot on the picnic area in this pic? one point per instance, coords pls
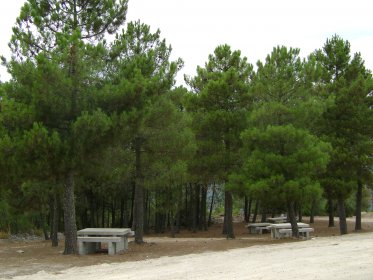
(40, 256)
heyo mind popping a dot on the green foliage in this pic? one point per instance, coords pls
(283, 160)
(44, 26)
(347, 123)
(219, 104)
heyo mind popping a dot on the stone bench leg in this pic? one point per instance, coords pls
(306, 234)
(86, 247)
(111, 247)
(123, 245)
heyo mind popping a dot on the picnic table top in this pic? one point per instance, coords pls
(258, 224)
(276, 219)
(288, 225)
(104, 231)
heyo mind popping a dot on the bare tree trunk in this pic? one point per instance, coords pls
(312, 215)
(292, 218)
(342, 216)
(113, 212)
(211, 205)
(146, 198)
(256, 211)
(331, 212)
(139, 196)
(225, 230)
(203, 223)
(198, 205)
(132, 216)
(69, 216)
(228, 218)
(248, 203)
(103, 213)
(300, 214)
(359, 198)
(55, 219)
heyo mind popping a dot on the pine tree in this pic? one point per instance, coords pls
(347, 124)
(59, 39)
(219, 103)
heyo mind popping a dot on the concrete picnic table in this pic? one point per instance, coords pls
(275, 220)
(275, 228)
(90, 239)
(257, 227)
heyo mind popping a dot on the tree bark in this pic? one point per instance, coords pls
(264, 216)
(138, 221)
(248, 211)
(342, 216)
(331, 212)
(292, 218)
(359, 198)
(203, 224)
(211, 205)
(69, 216)
(245, 209)
(103, 213)
(300, 214)
(194, 205)
(228, 218)
(312, 215)
(256, 211)
(55, 219)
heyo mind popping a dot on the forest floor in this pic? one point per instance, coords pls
(29, 257)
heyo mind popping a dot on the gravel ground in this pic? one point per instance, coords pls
(338, 257)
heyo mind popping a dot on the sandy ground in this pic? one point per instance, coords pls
(205, 255)
(342, 257)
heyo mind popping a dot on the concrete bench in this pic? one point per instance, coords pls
(258, 227)
(287, 232)
(89, 244)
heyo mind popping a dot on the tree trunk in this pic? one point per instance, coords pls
(359, 198)
(331, 212)
(132, 216)
(211, 205)
(43, 221)
(342, 216)
(292, 218)
(139, 196)
(229, 215)
(113, 210)
(69, 216)
(194, 205)
(245, 209)
(225, 230)
(55, 219)
(203, 224)
(312, 214)
(300, 214)
(248, 214)
(256, 210)
(146, 221)
(198, 205)
(121, 223)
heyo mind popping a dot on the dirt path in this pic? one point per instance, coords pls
(338, 257)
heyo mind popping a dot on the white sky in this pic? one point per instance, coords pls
(195, 27)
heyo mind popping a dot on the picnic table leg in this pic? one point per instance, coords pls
(85, 248)
(111, 248)
(123, 245)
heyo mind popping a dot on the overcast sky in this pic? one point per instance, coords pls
(195, 27)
